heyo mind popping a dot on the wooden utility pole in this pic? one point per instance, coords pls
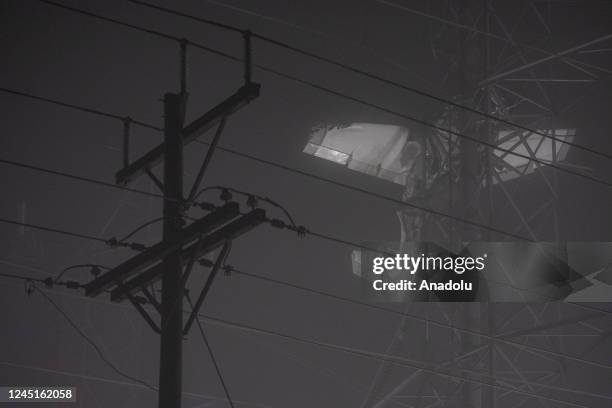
(170, 360)
(180, 245)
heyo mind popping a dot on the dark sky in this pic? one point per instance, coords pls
(58, 54)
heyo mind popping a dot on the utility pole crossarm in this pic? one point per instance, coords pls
(207, 244)
(154, 254)
(190, 132)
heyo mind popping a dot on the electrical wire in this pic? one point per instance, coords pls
(363, 191)
(384, 357)
(111, 20)
(385, 57)
(339, 348)
(247, 194)
(369, 193)
(140, 228)
(47, 282)
(112, 242)
(499, 339)
(91, 342)
(267, 162)
(211, 354)
(328, 36)
(398, 361)
(244, 155)
(434, 126)
(370, 75)
(80, 108)
(269, 201)
(272, 164)
(54, 230)
(303, 231)
(338, 94)
(306, 82)
(69, 268)
(81, 178)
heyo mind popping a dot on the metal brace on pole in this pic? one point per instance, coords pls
(211, 277)
(136, 303)
(207, 159)
(144, 314)
(154, 179)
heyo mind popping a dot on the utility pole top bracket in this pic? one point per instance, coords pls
(190, 132)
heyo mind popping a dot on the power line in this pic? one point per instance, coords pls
(340, 95)
(328, 36)
(121, 382)
(366, 192)
(212, 355)
(370, 75)
(80, 108)
(256, 197)
(494, 385)
(141, 227)
(80, 178)
(432, 126)
(418, 318)
(91, 342)
(505, 39)
(300, 230)
(260, 160)
(500, 339)
(376, 106)
(244, 155)
(54, 230)
(273, 164)
(111, 20)
(97, 349)
(47, 281)
(402, 362)
(95, 269)
(459, 219)
(230, 269)
(388, 358)
(112, 242)
(354, 244)
(320, 235)
(15, 276)
(304, 231)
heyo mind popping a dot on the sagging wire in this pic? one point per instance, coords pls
(33, 288)
(252, 201)
(211, 354)
(140, 228)
(95, 270)
(48, 282)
